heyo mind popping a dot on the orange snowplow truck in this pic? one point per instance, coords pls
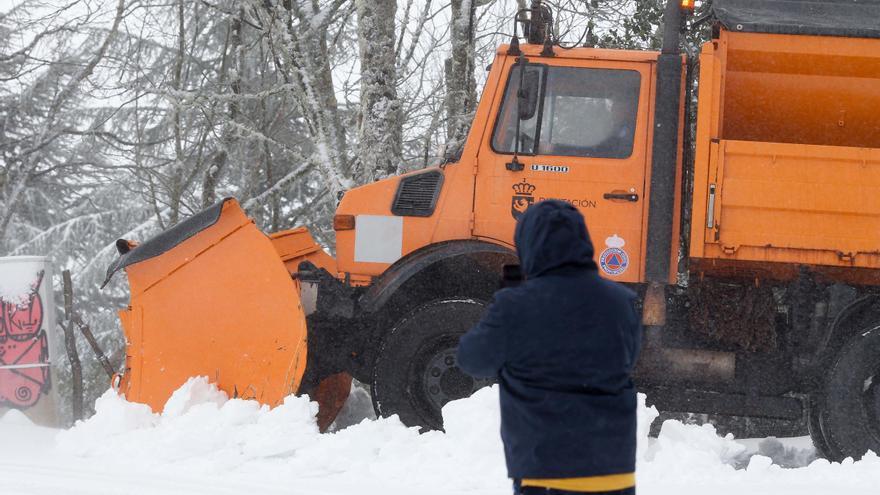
(754, 243)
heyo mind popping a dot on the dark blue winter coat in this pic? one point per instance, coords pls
(562, 346)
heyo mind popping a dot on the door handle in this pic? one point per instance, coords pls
(515, 165)
(621, 196)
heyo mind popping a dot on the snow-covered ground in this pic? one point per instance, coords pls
(205, 444)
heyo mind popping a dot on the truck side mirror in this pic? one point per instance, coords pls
(527, 95)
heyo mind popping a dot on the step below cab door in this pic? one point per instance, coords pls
(586, 144)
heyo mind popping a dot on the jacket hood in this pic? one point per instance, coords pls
(552, 234)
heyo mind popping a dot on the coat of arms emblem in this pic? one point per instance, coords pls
(522, 198)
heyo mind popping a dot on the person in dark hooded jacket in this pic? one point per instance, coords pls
(562, 345)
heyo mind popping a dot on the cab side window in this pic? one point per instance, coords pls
(583, 112)
(504, 138)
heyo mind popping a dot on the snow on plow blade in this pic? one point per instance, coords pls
(210, 297)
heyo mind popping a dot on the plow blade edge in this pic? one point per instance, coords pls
(210, 297)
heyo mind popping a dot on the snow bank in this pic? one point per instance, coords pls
(200, 430)
(202, 433)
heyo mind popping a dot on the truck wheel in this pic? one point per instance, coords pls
(415, 373)
(849, 414)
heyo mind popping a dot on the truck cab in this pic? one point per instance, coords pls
(586, 140)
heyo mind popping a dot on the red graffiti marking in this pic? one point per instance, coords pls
(24, 351)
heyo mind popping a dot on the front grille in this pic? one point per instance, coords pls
(417, 194)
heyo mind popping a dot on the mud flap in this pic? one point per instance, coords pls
(331, 394)
(210, 297)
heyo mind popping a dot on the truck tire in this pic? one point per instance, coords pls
(415, 373)
(849, 412)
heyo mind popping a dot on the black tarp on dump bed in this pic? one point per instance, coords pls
(851, 18)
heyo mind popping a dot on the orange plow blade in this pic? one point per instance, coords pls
(210, 297)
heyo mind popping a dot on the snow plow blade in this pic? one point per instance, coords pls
(210, 297)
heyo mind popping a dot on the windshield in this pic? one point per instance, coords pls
(583, 112)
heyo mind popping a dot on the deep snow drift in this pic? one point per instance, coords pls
(205, 443)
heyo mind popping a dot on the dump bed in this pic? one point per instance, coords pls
(787, 164)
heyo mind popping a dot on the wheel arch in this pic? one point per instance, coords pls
(442, 269)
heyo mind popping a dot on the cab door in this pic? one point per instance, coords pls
(586, 144)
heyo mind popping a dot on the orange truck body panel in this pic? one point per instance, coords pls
(249, 336)
(789, 141)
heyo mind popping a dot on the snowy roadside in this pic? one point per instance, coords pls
(204, 443)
